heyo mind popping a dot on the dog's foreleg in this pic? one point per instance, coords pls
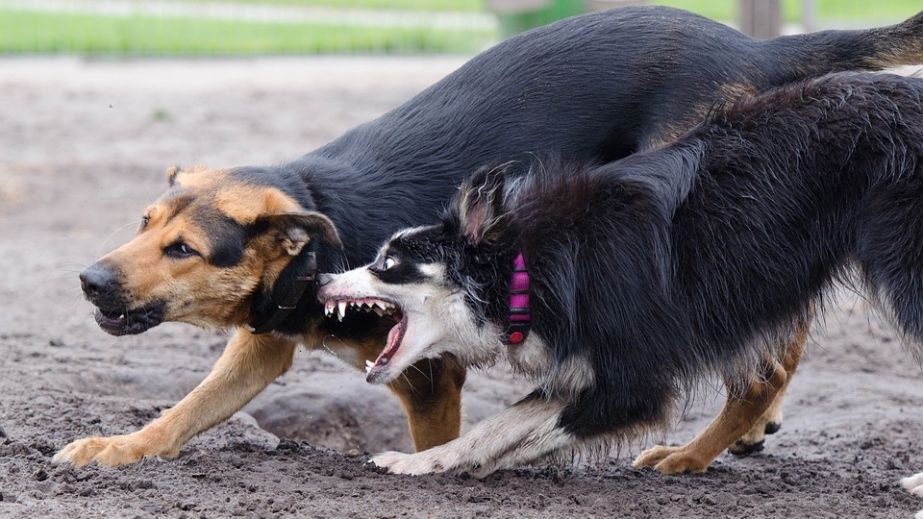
(523, 433)
(249, 363)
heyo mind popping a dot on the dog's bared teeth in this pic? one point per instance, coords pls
(369, 364)
(378, 311)
(341, 310)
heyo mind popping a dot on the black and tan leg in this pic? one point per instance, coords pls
(771, 420)
(739, 416)
(429, 391)
(249, 363)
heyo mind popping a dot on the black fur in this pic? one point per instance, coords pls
(594, 87)
(226, 236)
(676, 263)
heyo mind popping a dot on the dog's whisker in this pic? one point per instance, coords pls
(420, 371)
(409, 383)
(327, 348)
(112, 234)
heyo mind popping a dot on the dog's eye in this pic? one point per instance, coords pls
(180, 250)
(146, 219)
(388, 263)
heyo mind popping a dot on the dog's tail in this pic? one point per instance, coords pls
(819, 53)
(890, 256)
(888, 244)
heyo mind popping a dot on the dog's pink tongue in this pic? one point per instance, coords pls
(394, 338)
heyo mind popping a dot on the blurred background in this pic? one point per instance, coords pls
(300, 27)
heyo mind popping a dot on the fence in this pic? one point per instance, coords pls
(259, 27)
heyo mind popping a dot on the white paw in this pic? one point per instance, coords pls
(426, 462)
(914, 484)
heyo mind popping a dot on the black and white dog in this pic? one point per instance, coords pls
(617, 286)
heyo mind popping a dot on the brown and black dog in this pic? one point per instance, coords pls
(241, 248)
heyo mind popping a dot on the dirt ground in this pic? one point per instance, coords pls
(83, 147)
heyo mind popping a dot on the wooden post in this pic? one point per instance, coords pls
(809, 15)
(761, 19)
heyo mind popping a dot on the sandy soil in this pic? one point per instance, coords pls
(83, 147)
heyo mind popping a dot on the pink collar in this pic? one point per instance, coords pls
(519, 321)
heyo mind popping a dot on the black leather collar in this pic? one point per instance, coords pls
(287, 302)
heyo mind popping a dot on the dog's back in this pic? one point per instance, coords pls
(590, 88)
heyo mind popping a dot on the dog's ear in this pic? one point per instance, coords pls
(172, 171)
(478, 206)
(294, 230)
(178, 175)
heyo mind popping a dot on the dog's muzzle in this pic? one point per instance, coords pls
(100, 284)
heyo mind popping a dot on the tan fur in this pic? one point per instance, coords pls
(740, 416)
(432, 402)
(247, 203)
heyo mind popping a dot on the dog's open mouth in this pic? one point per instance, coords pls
(391, 311)
(129, 322)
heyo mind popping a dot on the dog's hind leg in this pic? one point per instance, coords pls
(249, 363)
(430, 393)
(741, 413)
(771, 420)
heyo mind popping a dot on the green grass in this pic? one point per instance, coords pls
(32, 32)
(397, 5)
(835, 10)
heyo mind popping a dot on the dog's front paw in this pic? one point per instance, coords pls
(671, 460)
(425, 462)
(113, 451)
(914, 484)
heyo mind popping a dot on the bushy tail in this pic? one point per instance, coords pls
(823, 52)
(889, 250)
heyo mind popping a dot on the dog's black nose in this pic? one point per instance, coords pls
(97, 280)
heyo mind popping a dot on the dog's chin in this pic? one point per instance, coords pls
(130, 322)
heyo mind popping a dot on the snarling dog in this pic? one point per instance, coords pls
(240, 248)
(616, 287)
